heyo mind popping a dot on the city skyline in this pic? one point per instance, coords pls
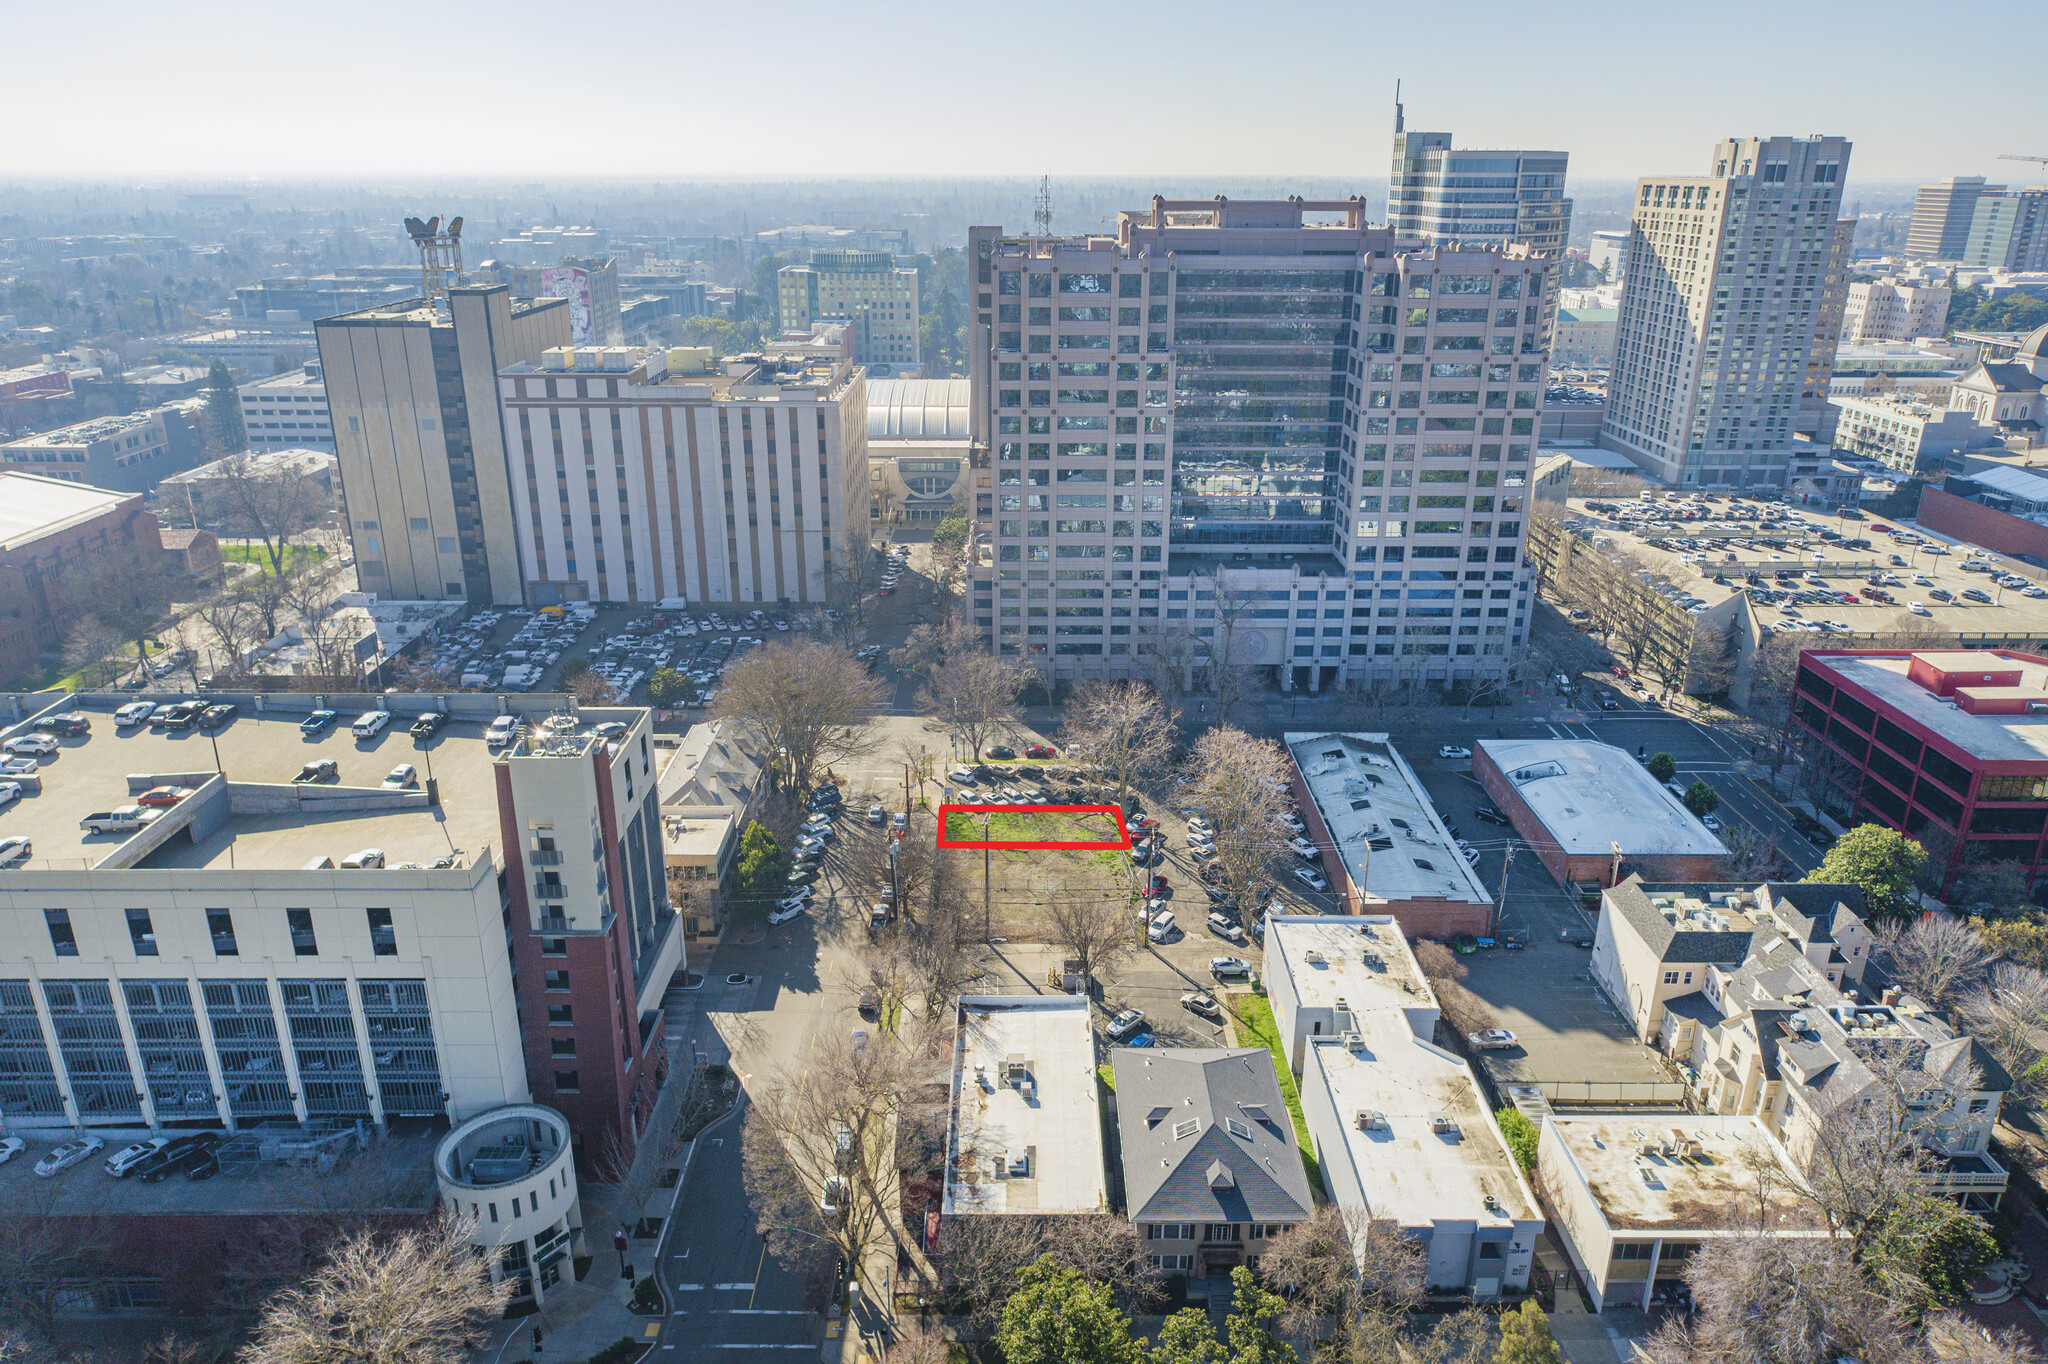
(918, 105)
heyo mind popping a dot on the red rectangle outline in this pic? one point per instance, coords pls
(1115, 812)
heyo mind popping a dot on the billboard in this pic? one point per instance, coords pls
(573, 283)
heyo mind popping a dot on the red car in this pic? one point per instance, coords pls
(1041, 751)
(1156, 885)
(1620, 670)
(1144, 824)
(159, 797)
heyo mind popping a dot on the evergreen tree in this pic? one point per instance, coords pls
(1058, 1317)
(1525, 1338)
(1883, 861)
(761, 862)
(224, 411)
(1254, 1316)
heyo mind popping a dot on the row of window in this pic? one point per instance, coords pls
(220, 927)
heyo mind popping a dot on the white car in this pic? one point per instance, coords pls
(1292, 822)
(10, 792)
(1712, 822)
(1453, 751)
(370, 723)
(786, 910)
(1124, 1024)
(960, 776)
(1493, 1039)
(401, 777)
(13, 850)
(801, 895)
(1917, 609)
(369, 859)
(1161, 928)
(1311, 878)
(501, 731)
(68, 1155)
(1198, 825)
(1302, 847)
(1225, 927)
(10, 1147)
(128, 1157)
(30, 743)
(134, 713)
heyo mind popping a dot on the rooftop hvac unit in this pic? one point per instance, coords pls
(1353, 1042)
(1492, 1203)
(1443, 1126)
(1371, 1120)
(1314, 959)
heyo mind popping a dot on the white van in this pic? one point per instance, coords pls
(1161, 928)
(370, 723)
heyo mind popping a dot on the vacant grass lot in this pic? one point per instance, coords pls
(1033, 825)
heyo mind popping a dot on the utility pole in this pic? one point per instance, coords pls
(1501, 903)
(987, 864)
(1614, 870)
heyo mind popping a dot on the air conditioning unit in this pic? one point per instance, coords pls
(1492, 1203)
(1314, 959)
(1354, 1042)
(1370, 1120)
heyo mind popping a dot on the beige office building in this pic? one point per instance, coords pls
(646, 475)
(1732, 278)
(1886, 310)
(1942, 213)
(1235, 436)
(864, 289)
(412, 389)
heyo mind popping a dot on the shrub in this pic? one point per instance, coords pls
(1521, 1137)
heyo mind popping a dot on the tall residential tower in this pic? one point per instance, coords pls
(1263, 434)
(1733, 280)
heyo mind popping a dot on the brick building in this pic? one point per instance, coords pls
(47, 527)
(1949, 747)
(1593, 813)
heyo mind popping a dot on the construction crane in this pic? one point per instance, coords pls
(2038, 160)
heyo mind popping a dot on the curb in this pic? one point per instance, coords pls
(668, 1223)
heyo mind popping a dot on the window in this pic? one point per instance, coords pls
(561, 1014)
(1671, 977)
(61, 940)
(1631, 1250)
(140, 933)
(383, 938)
(558, 980)
(562, 1046)
(221, 925)
(301, 923)
(565, 1082)
(554, 947)
(1489, 1250)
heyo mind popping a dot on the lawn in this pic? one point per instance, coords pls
(1025, 825)
(294, 555)
(1252, 1017)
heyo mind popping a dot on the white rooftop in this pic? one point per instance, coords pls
(1393, 842)
(1364, 961)
(918, 409)
(1429, 1149)
(2002, 738)
(1591, 796)
(32, 506)
(1701, 1185)
(1026, 1131)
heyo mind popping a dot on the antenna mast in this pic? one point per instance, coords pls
(440, 254)
(1041, 213)
(1400, 123)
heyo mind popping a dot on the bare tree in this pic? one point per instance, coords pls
(871, 864)
(1226, 651)
(820, 1156)
(981, 1259)
(265, 593)
(920, 764)
(588, 687)
(1785, 1300)
(1752, 855)
(92, 649)
(1095, 932)
(1169, 664)
(126, 588)
(1240, 783)
(229, 620)
(1939, 959)
(1955, 1339)
(417, 1297)
(974, 692)
(809, 702)
(1341, 1265)
(1119, 730)
(2008, 1013)
(919, 1344)
(270, 503)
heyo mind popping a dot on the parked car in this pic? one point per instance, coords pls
(69, 726)
(961, 776)
(1162, 927)
(134, 713)
(428, 722)
(317, 722)
(1230, 968)
(1000, 754)
(1311, 878)
(68, 1155)
(1225, 927)
(401, 777)
(877, 813)
(1453, 751)
(369, 859)
(213, 717)
(1493, 1039)
(319, 770)
(177, 1156)
(1491, 815)
(1124, 1024)
(1041, 751)
(370, 724)
(10, 1147)
(501, 731)
(1302, 848)
(30, 743)
(899, 821)
(13, 850)
(785, 910)
(132, 1155)
(1203, 1003)
(1712, 822)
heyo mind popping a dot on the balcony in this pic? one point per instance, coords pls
(550, 858)
(1963, 1174)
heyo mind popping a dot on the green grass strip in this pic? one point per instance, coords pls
(1253, 1018)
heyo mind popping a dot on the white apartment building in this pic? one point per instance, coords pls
(288, 412)
(866, 290)
(225, 960)
(1608, 253)
(639, 475)
(1584, 338)
(1903, 432)
(1730, 282)
(1887, 310)
(1228, 414)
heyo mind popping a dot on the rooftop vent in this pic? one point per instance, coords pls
(1354, 1042)
(1183, 1130)
(1371, 1120)
(1237, 1129)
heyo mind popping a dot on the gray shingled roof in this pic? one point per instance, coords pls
(1631, 900)
(1819, 904)
(1212, 1173)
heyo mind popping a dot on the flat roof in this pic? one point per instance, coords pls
(1024, 1083)
(1657, 1193)
(1361, 786)
(85, 432)
(32, 506)
(1591, 796)
(394, 1174)
(1387, 978)
(1995, 738)
(1433, 1150)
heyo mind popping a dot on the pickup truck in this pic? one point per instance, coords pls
(121, 820)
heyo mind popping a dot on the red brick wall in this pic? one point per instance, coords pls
(31, 575)
(1948, 514)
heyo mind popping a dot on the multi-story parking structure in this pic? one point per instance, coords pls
(1257, 435)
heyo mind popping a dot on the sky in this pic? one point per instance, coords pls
(680, 89)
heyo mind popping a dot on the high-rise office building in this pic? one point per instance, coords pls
(864, 289)
(2009, 231)
(412, 394)
(1608, 253)
(1732, 280)
(640, 475)
(1476, 198)
(1941, 216)
(1228, 434)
